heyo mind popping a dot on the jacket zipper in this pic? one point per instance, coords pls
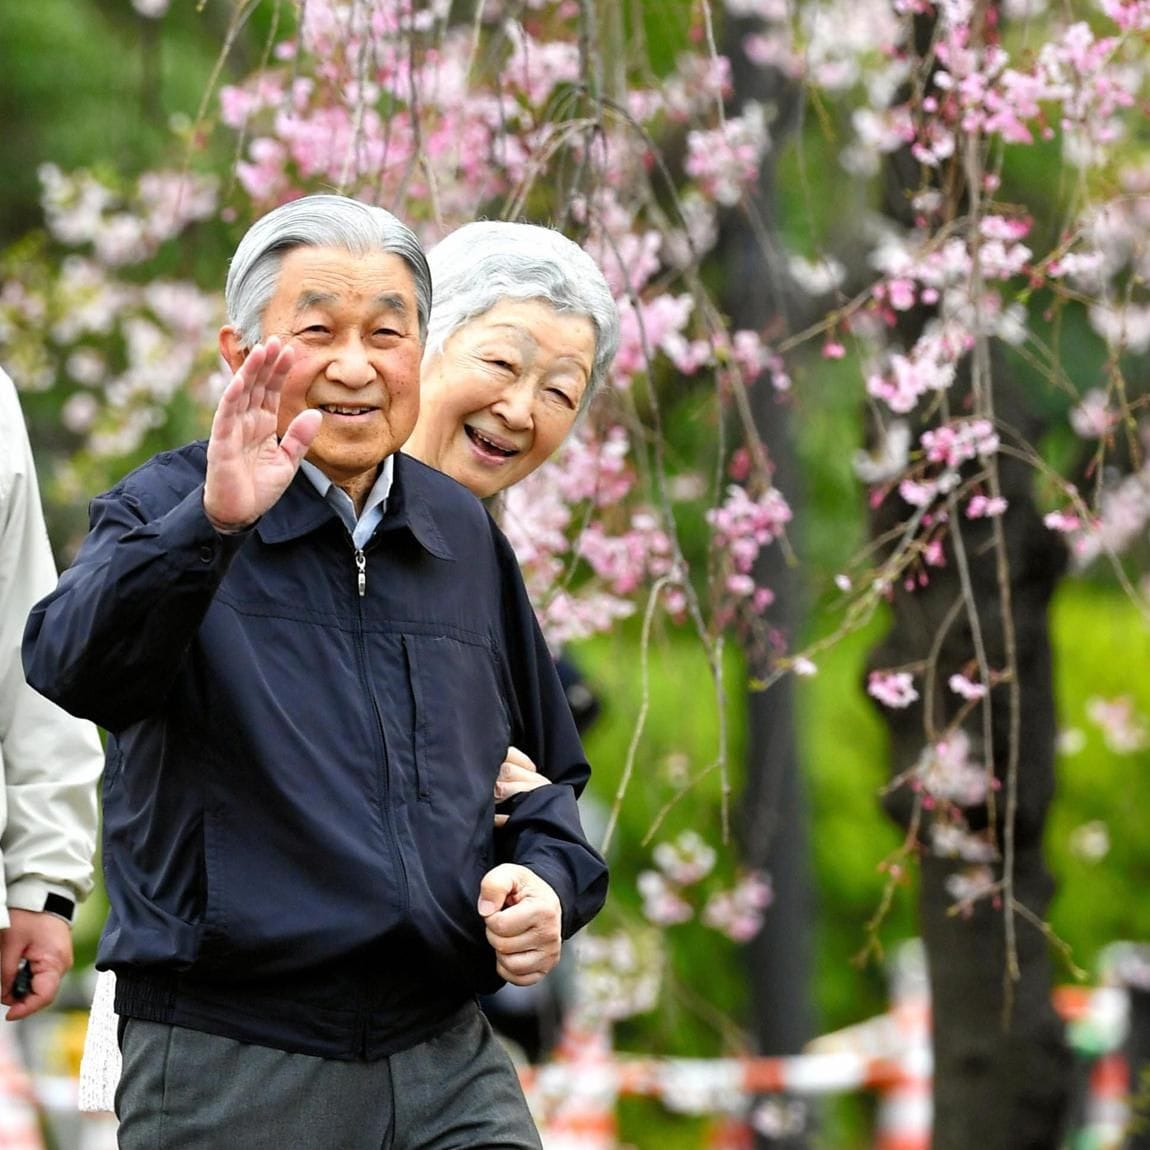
(363, 1022)
(385, 771)
(361, 571)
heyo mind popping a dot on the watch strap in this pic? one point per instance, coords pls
(60, 906)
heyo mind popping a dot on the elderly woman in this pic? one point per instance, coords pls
(522, 332)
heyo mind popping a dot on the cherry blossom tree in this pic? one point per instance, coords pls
(909, 244)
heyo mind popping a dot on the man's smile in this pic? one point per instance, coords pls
(346, 409)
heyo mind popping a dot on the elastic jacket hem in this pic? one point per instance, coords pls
(284, 1018)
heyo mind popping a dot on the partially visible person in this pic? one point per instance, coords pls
(49, 765)
(311, 652)
(49, 761)
(522, 334)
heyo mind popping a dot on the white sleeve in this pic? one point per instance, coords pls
(49, 761)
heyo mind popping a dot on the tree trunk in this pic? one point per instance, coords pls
(1001, 1067)
(774, 812)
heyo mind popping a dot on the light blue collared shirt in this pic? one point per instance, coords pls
(360, 529)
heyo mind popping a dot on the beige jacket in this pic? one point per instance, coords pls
(49, 761)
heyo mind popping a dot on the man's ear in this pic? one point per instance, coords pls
(232, 348)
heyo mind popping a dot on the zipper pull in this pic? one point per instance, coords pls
(361, 568)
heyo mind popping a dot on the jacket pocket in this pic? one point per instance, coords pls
(419, 720)
(461, 719)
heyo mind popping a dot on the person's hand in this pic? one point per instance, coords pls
(516, 775)
(249, 465)
(46, 942)
(524, 922)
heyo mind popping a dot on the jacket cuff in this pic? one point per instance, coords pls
(36, 894)
(544, 834)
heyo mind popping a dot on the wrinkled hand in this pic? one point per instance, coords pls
(249, 466)
(524, 922)
(516, 775)
(46, 941)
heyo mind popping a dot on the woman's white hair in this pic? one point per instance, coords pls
(319, 221)
(481, 264)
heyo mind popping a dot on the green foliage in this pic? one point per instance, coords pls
(704, 1006)
(1101, 647)
(844, 751)
(828, 415)
(1099, 639)
(679, 742)
(83, 80)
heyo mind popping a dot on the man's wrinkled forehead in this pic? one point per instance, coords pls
(368, 285)
(383, 302)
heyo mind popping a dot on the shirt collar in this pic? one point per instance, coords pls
(379, 489)
(299, 511)
(360, 526)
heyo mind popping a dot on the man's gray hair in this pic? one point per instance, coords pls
(481, 264)
(319, 221)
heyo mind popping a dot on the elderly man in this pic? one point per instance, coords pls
(309, 672)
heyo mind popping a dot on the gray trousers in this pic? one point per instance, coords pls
(185, 1090)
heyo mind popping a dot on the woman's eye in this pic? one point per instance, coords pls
(502, 364)
(559, 394)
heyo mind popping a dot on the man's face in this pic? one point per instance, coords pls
(353, 325)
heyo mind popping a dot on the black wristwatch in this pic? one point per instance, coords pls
(60, 906)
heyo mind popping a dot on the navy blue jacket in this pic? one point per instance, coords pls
(297, 796)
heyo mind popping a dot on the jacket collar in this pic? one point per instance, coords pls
(301, 509)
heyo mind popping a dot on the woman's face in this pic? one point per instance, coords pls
(503, 393)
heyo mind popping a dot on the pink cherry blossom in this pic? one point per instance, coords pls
(1092, 418)
(945, 771)
(686, 860)
(726, 160)
(739, 912)
(892, 688)
(963, 686)
(985, 507)
(970, 885)
(1124, 730)
(662, 903)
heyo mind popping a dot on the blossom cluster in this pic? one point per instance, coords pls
(619, 974)
(544, 520)
(667, 890)
(1123, 729)
(740, 528)
(124, 351)
(397, 104)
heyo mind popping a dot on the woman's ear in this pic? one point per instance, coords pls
(232, 348)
